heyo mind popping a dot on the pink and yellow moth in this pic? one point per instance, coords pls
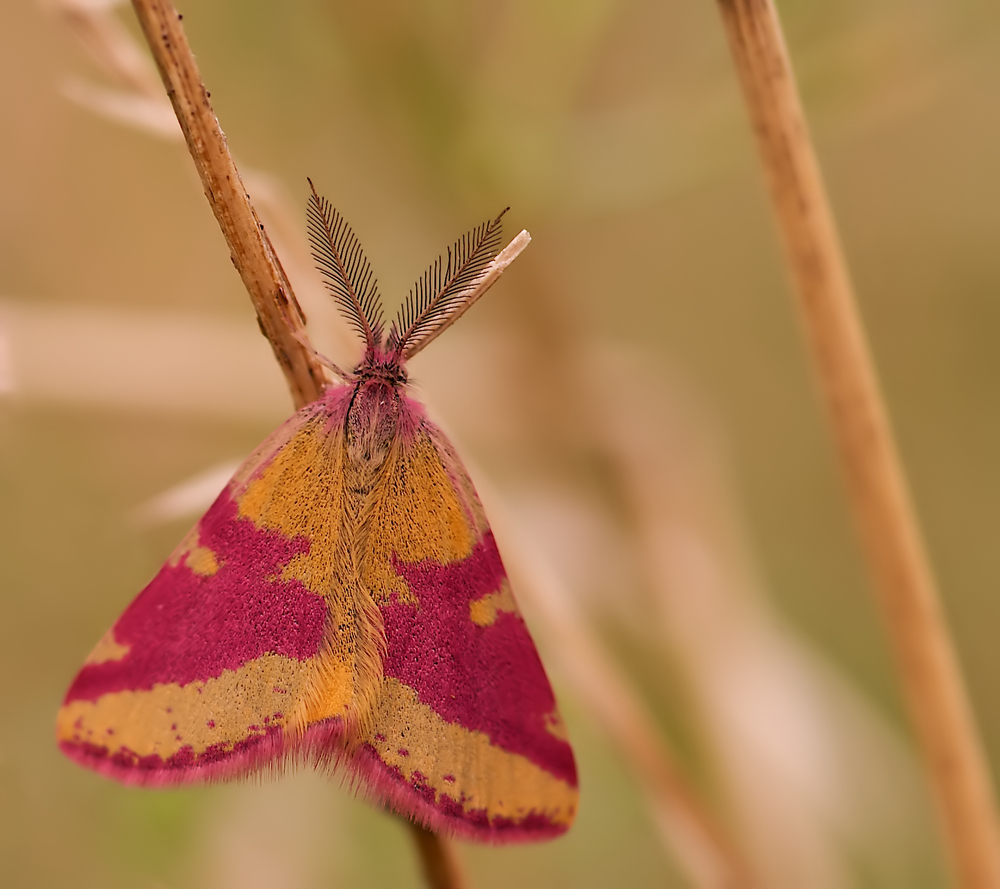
(343, 603)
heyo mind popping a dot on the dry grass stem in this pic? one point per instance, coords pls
(249, 246)
(139, 102)
(939, 706)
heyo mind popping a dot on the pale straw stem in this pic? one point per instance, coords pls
(249, 246)
(953, 756)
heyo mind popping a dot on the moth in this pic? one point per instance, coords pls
(343, 603)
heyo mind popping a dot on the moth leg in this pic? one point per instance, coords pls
(299, 334)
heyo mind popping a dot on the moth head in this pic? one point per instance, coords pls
(381, 365)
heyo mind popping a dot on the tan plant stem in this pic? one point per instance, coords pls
(437, 858)
(249, 246)
(943, 720)
(278, 312)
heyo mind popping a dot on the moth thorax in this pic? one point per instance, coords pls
(372, 421)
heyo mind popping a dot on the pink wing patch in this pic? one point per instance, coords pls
(488, 679)
(185, 626)
(197, 676)
(474, 744)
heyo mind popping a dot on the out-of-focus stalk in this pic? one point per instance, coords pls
(437, 860)
(249, 246)
(953, 755)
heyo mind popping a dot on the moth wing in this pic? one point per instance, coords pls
(467, 738)
(213, 669)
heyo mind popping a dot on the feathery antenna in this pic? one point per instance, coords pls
(445, 289)
(346, 271)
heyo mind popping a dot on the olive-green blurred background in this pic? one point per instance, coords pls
(615, 132)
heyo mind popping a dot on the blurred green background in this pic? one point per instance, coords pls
(615, 132)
